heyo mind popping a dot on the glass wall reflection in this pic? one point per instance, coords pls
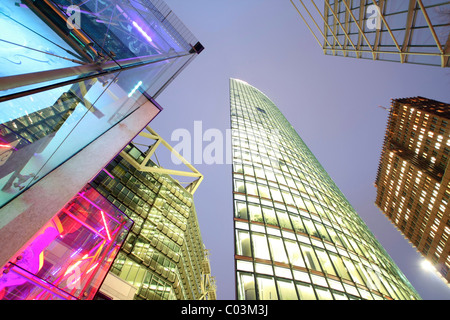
(70, 256)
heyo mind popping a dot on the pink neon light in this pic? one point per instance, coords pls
(146, 36)
(5, 146)
(87, 272)
(72, 267)
(106, 227)
(71, 284)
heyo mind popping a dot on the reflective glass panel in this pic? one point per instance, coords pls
(69, 258)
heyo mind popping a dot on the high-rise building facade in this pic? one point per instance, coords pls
(405, 31)
(296, 235)
(163, 256)
(412, 182)
(78, 82)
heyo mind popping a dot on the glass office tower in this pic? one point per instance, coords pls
(296, 235)
(403, 31)
(71, 255)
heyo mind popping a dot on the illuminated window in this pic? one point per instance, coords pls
(310, 257)
(306, 291)
(246, 287)
(266, 288)
(260, 246)
(323, 293)
(277, 250)
(287, 290)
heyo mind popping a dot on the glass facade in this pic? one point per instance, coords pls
(86, 38)
(71, 70)
(296, 235)
(413, 183)
(69, 258)
(163, 255)
(393, 30)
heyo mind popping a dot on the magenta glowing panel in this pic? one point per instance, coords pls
(71, 255)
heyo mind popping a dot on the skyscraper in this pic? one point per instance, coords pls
(413, 31)
(296, 235)
(412, 182)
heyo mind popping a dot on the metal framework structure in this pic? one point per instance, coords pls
(410, 31)
(147, 166)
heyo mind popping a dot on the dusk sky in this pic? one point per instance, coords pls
(332, 102)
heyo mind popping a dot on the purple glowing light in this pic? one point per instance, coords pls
(109, 174)
(138, 27)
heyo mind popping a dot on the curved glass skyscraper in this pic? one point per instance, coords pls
(296, 235)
